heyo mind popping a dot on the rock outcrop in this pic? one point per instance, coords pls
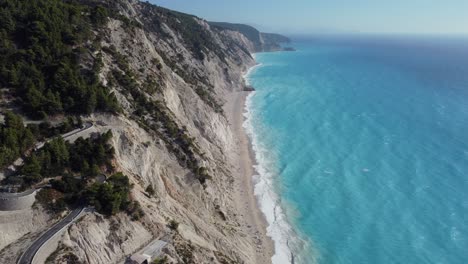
(172, 73)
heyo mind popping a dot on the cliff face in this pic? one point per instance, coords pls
(174, 76)
(154, 58)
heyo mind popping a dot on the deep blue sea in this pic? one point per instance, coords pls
(362, 149)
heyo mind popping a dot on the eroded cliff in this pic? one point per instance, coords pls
(172, 74)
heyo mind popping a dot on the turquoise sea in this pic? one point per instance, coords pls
(362, 149)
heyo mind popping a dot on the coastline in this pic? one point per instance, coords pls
(266, 211)
(246, 202)
(255, 198)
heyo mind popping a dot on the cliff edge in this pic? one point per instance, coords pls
(178, 81)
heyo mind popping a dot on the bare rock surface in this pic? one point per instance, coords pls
(219, 221)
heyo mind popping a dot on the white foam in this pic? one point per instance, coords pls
(250, 71)
(278, 229)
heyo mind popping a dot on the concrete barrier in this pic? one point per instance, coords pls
(17, 201)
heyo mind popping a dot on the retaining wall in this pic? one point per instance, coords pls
(17, 201)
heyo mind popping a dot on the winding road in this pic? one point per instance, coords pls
(31, 251)
(28, 256)
(65, 136)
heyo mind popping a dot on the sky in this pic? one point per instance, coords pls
(334, 16)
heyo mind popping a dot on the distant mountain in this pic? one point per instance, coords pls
(271, 41)
(262, 41)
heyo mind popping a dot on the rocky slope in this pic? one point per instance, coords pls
(172, 75)
(190, 68)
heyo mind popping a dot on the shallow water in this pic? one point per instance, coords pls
(364, 144)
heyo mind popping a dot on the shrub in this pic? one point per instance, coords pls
(149, 190)
(85, 156)
(110, 197)
(135, 211)
(51, 199)
(162, 260)
(202, 175)
(173, 225)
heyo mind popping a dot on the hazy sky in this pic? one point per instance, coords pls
(312, 16)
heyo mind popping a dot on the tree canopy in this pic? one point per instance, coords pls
(41, 44)
(15, 138)
(57, 157)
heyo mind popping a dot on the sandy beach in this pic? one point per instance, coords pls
(246, 202)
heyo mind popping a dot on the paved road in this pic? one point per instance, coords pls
(76, 131)
(30, 252)
(65, 136)
(39, 145)
(20, 161)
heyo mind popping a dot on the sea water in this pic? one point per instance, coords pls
(362, 149)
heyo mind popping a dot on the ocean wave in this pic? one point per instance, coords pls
(249, 72)
(287, 242)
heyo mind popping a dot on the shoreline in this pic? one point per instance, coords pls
(246, 202)
(256, 199)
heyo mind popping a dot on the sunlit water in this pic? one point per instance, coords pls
(364, 142)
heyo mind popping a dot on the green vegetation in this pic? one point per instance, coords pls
(41, 45)
(15, 139)
(198, 40)
(202, 174)
(111, 196)
(87, 158)
(73, 168)
(108, 198)
(135, 211)
(208, 98)
(45, 130)
(88, 155)
(50, 161)
(70, 188)
(162, 260)
(56, 158)
(173, 225)
(150, 190)
(51, 200)
(201, 85)
(154, 116)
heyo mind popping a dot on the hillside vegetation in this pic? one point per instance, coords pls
(153, 93)
(42, 47)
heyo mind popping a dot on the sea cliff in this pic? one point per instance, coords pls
(179, 83)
